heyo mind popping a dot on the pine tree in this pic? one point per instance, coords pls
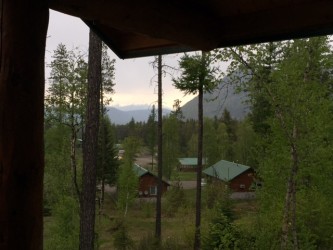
(151, 136)
(107, 159)
(198, 76)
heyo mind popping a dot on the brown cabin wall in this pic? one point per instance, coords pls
(245, 178)
(146, 181)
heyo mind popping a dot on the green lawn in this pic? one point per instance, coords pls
(184, 176)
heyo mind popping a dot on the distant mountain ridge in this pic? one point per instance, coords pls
(224, 97)
(121, 117)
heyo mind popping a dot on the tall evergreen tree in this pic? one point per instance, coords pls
(170, 144)
(152, 131)
(211, 144)
(198, 76)
(231, 126)
(107, 159)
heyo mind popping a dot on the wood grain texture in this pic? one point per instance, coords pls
(23, 35)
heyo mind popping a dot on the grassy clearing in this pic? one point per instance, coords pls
(140, 221)
(184, 176)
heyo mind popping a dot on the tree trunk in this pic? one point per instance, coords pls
(294, 157)
(160, 142)
(197, 241)
(73, 162)
(286, 216)
(23, 28)
(289, 216)
(102, 190)
(87, 208)
(103, 134)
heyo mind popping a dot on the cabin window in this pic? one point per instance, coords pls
(153, 190)
(242, 186)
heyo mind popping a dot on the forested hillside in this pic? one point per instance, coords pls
(223, 97)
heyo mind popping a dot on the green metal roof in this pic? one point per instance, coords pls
(190, 161)
(225, 170)
(138, 170)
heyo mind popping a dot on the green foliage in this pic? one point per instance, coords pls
(149, 242)
(245, 146)
(108, 74)
(66, 96)
(196, 70)
(127, 187)
(174, 199)
(170, 144)
(122, 240)
(289, 85)
(128, 181)
(107, 161)
(222, 234)
(59, 195)
(210, 143)
(131, 146)
(65, 105)
(148, 209)
(64, 230)
(152, 134)
(57, 173)
(217, 195)
(192, 145)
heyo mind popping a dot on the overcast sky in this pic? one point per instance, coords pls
(133, 77)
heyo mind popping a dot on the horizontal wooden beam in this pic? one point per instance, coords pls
(173, 20)
(137, 28)
(308, 18)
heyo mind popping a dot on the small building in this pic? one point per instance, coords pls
(238, 177)
(189, 164)
(148, 182)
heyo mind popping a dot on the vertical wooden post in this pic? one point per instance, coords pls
(23, 28)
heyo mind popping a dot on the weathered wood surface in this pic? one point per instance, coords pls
(22, 37)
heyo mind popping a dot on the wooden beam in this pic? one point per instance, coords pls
(280, 22)
(23, 36)
(197, 24)
(183, 21)
(131, 45)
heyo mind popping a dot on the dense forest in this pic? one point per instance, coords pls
(286, 138)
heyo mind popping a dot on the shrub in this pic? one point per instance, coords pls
(224, 235)
(122, 240)
(175, 198)
(65, 226)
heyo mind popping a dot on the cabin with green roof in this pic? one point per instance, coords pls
(189, 164)
(238, 177)
(148, 182)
